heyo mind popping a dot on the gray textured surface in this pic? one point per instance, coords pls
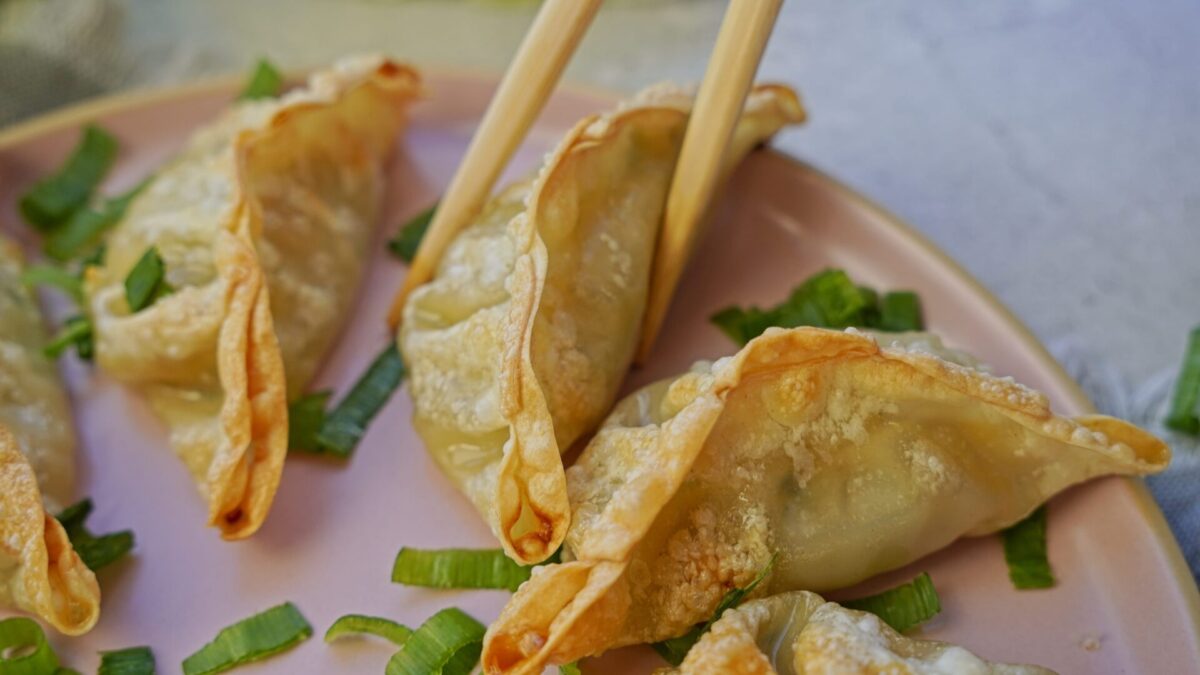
(1051, 146)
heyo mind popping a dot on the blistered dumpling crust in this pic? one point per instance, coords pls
(842, 458)
(799, 633)
(39, 570)
(518, 345)
(262, 221)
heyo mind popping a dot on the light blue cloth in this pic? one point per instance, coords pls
(1178, 488)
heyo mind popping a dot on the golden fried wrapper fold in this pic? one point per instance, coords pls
(518, 345)
(842, 458)
(40, 572)
(799, 633)
(263, 222)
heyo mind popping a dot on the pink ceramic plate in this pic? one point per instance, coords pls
(1124, 603)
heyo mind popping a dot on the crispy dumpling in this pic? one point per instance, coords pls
(799, 633)
(843, 458)
(518, 345)
(39, 570)
(263, 221)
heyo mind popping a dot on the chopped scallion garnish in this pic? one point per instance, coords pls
(265, 82)
(899, 312)
(96, 552)
(405, 244)
(252, 639)
(95, 258)
(86, 226)
(146, 282)
(1025, 552)
(356, 624)
(903, 607)
(1185, 404)
(131, 661)
(56, 197)
(77, 333)
(24, 649)
(675, 649)
(306, 416)
(828, 299)
(458, 568)
(345, 425)
(448, 643)
(570, 669)
(52, 275)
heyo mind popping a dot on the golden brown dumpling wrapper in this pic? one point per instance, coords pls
(518, 345)
(843, 458)
(39, 570)
(263, 222)
(799, 633)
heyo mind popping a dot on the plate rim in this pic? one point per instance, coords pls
(75, 114)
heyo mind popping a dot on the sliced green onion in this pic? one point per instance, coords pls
(95, 258)
(145, 283)
(1025, 552)
(52, 275)
(345, 425)
(24, 650)
(448, 643)
(252, 639)
(306, 416)
(458, 568)
(870, 314)
(1185, 405)
(405, 244)
(77, 333)
(356, 624)
(131, 661)
(742, 325)
(570, 669)
(75, 516)
(265, 82)
(96, 552)
(675, 649)
(899, 312)
(85, 227)
(102, 551)
(828, 299)
(904, 606)
(55, 197)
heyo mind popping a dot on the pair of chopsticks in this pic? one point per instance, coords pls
(532, 76)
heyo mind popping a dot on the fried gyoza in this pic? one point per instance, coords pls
(799, 633)
(518, 345)
(263, 221)
(844, 458)
(39, 570)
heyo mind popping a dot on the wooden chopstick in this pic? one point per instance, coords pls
(740, 43)
(545, 51)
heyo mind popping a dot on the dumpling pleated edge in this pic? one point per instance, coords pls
(246, 468)
(49, 579)
(574, 609)
(824, 637)
(531, 481)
